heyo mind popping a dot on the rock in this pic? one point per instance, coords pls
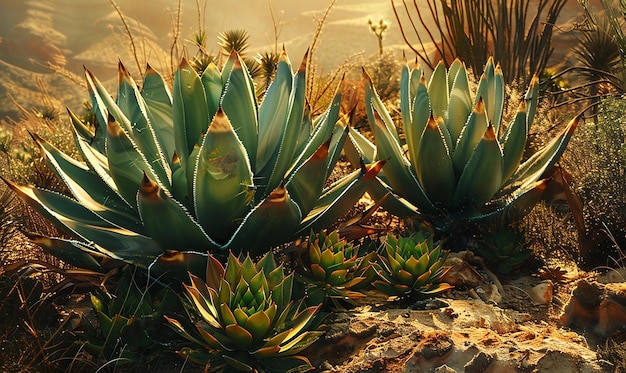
(461, 274)
(489, 293)
(542, 293)
(597, 307)
(479, 363)
(613, 275)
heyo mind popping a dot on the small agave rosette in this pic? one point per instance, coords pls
(334, 269)
(410, 266)
(249, 320)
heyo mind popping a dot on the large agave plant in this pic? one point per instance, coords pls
(249, 321)
(461, 162)
(202, 168)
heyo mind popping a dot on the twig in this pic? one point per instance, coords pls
(130, 35)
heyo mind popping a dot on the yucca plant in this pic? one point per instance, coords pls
(411, 267)
(461, 162)
(333, 269)
(248, 319)
(166, 177)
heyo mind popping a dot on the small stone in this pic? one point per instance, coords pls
(444, 369)
(542, 293)
(479, 363)
(461, 274)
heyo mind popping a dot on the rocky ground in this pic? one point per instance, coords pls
(525, 324)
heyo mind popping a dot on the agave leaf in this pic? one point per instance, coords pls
(421, 114)
(337, 277)
(519, 204)
(455, 67)
(358, 148)
(318, 273)
(486, 87)
(239, 335)
(338, 198)
(95, 138)
(470, 136)
(238, 364)
(327, 258)
(291, 131)
(212, 82)
(460, 106)
(70, 251)
(306, 129)
(438, 91)
(239, 103)
(435, 170)
(222, 186)
(215, 340)
(324, 126)
(398, 168)
(189, 110)
(103, 104)
(438, 288)
(158, 101)
(205, 307)
(423, 279)
(277, 213)
(177, 265)
(300, 322)
(232, 271)
(416, 77)
(531, 99)
(97, 161)
(168, 222)
(273, 115)
(258, 324)
(482, 176)
(405, 95)
(404, 277)
(180, 329)
(299, 343)
(127, 245)
(498, 100)
(390, 289)
(373, 103)
(226, 315)
(126, 163)
(307, 181)
(514, 143)
(412, 265)
(540, 162)
(266, 352)
(131, 102)
(89, 189)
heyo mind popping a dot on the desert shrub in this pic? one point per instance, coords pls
(596, 160)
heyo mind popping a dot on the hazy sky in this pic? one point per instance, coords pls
(80, 32)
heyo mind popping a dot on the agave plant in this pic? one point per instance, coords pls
(335, 268)
(166, 177)
(248, 320)
(461, 162)
(504, 248)
(129, 320)
(411, 267)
